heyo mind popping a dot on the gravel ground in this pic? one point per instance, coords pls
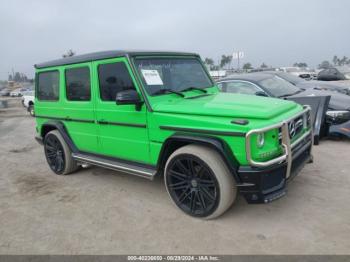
(98, 211)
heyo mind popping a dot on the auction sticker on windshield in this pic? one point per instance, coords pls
(152, 77)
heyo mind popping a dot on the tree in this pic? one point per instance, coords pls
(69, 53)
(17, 77)
(343, 61)
(325, 65)
(209, 62)
(302, 64)
(335, 60)
(263, 65)
(247, 66)
(340, 61)
(225, 59)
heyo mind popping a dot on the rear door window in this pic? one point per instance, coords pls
(78, 84)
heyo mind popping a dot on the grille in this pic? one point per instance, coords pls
(295, 126)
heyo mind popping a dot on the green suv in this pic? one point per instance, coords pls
(160, 113)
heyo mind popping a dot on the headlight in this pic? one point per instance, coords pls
(260, 140)
(338, 116)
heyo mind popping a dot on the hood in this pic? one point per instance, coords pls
(338, 101)
(226, 104)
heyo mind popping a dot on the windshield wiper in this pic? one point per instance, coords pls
(167, 91)
(194, 88)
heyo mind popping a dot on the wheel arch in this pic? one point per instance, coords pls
(58, 125)
(179, 140)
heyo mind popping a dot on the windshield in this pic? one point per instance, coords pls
(175, 74)
(290, 78)
(278, 87)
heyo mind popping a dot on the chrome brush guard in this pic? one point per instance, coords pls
(285, 140)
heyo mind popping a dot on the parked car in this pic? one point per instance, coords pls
(334, 74)
(301, 72)
(5, 92)
(18, 92)
(160, 113)
(28, 101)
(267, 84)
(312, 84)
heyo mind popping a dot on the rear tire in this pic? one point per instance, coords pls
(199, 182)
(31, 110)
(58, 155)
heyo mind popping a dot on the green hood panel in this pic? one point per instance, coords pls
(226, 105)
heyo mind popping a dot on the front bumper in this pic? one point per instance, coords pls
(263, 185)
(340, 129)
(262, 182)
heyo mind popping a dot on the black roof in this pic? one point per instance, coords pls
(253, 77)
(104, 55)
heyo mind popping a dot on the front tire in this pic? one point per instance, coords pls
(58, 155)
(199, 182)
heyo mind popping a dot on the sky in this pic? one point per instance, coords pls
(276, 32)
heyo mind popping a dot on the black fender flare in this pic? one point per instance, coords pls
(59, 125)
(213, 142)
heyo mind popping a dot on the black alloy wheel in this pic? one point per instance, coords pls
(192, 185)
(54, 154)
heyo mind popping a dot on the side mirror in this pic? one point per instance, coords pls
(129, 97)
(260, 93)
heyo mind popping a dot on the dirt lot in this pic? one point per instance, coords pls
(97, 211)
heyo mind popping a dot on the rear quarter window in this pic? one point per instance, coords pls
(48, 86)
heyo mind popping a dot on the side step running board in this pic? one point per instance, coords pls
(144, 172)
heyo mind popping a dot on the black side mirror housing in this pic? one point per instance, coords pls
(129, 97)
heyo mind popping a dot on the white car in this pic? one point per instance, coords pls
(28, 101)
(18, 92)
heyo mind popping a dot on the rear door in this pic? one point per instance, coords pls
(78, 107)
(122, 129)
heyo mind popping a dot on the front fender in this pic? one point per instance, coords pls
(178, 140)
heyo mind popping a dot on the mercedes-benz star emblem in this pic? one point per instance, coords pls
(291, 126)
